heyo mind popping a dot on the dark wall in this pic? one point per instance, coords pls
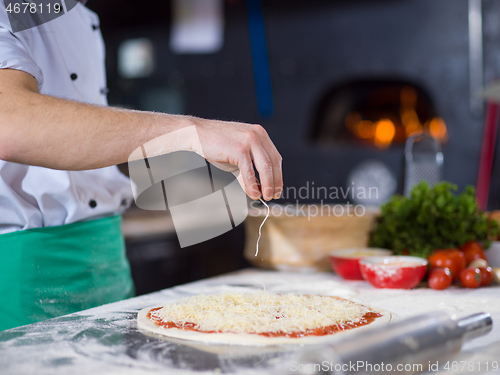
(314, 46)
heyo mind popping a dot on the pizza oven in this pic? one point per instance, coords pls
(375, 113)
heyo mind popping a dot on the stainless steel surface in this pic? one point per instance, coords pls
(408, 346)
(475, 56)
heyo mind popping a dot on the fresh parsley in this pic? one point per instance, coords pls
(432, 218)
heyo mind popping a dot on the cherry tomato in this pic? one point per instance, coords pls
(470, 277)
(486, 275)
(448, 258)
(472, 250)
(440, 278)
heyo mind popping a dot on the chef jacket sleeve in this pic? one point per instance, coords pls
(15, 48)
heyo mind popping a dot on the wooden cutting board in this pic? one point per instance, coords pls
(292, 242)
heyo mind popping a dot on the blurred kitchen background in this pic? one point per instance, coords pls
(339, 85)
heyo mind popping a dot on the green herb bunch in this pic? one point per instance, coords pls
(432, 219)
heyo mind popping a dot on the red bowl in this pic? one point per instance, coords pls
(345, 262)
(395, 272)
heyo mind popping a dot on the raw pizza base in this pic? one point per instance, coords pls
(251, 339)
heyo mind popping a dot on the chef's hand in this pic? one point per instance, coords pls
(237, 148)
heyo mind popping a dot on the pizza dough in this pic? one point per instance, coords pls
(237, 314)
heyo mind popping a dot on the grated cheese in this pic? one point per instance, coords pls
(261, 225)
(261, 312)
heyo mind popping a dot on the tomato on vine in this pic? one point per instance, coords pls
(448, 258)
(472, 250)
(470, 277)
(440, 278)
(486, 275)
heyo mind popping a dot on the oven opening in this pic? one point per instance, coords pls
(375, 113)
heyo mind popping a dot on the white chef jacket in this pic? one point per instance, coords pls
(66, 57)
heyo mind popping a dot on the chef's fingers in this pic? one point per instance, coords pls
(275, 159)
(247, 177)
(264, 166)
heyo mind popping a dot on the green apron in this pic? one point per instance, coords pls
(53, 271)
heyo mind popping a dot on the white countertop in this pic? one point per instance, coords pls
(105, 340)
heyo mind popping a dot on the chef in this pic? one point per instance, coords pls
(61, 194)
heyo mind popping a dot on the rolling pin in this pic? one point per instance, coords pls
(413, 344)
